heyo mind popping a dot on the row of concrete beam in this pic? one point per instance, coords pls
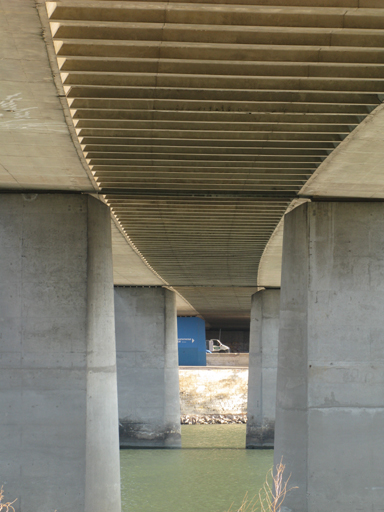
(59, 422)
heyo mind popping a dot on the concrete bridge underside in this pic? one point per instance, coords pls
(198, 123)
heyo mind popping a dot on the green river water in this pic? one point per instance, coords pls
(210, 473)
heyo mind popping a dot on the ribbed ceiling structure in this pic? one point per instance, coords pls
(201, 121)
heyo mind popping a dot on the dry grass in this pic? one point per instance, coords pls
(271, 495)
(6, 507)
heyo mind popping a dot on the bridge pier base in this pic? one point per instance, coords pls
(263, 343)
(58, 401)
(147, 367)
(330, 407)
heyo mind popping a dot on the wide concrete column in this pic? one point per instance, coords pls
(147, 367)
(58, 400)
(263, 341)
(330, 399)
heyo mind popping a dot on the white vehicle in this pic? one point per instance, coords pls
(217, 346)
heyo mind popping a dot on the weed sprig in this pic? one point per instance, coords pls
(271, 495)
(6, 507)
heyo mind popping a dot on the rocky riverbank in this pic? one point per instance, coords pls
(206, 419)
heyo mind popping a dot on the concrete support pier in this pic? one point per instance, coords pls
(147, 367)
(330, 400)
(263, 342)
(58, 401)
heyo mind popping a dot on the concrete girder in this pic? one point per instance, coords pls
(220, 34)
(79, 49)
(220, 98)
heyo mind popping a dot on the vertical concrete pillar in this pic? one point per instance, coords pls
(263, 343)
(147, 367)
(58, 421)
(102, 440)
(330, 401)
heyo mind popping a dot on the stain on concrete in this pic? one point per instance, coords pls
(329, 402)
(142, 435)
(260, 435)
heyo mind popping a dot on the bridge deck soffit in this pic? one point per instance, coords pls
(36, 147)
(200, 122)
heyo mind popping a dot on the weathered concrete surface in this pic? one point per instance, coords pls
(236, 359)
(102, 441)
(269, 271)
(354, 169)
(58, 422)
(330, 408)
(147, 367)
(213, 390)
(37, 150)
(130, 267)
(264, 336)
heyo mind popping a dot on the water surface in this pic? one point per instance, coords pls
(210, 473)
